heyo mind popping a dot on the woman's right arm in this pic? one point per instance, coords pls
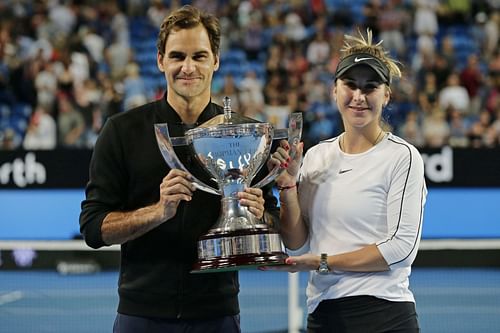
(293, 229)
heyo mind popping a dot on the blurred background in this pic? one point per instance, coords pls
(68, 65)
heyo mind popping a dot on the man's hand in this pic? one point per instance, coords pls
(253, 199)
(176, 186)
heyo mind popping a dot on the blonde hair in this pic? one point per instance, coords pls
(353, 45)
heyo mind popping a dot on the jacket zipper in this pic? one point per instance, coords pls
(181, 279)
(183, 222)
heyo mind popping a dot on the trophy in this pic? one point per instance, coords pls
(233, 148)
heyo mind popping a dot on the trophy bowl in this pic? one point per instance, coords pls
(232, 149)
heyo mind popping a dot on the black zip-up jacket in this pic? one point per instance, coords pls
(125, 174)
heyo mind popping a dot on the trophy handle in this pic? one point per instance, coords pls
(168, 153)
(293, 134)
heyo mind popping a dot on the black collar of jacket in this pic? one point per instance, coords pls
(167, 114)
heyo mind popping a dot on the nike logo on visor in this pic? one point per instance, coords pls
(344, 171)
(361, 59)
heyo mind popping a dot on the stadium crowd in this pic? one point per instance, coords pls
(68, 65)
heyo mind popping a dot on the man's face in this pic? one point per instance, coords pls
(188, 63)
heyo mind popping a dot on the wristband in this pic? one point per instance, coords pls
(284, 188)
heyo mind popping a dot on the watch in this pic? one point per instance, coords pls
(323, 264)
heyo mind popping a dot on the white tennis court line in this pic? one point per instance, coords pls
(10, 297)
(459, 309)
(457, 291)
(79, 245)
(460, 244)
(69, 245)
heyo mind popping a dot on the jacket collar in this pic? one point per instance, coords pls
(167, 114)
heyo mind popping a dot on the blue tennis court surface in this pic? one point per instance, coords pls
(448, 300)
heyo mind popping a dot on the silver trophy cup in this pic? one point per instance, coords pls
(233, 149)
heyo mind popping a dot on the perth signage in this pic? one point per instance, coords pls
(22, 169)
(444, 167)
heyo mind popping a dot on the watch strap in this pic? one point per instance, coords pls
(323, 264)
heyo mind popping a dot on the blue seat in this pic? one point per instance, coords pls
(22, 110)
(234, 56)
(5, 111)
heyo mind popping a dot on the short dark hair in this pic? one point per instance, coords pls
(188, 17)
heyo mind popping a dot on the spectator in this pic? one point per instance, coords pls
(492, 34)
(322, 127)
(391, 23)
(63, 16)
(425, 21)
(9, 139)
(294, 28)
(251, 91)
(156, 12)
(496, 125)
(274, 62)
(372, 11)
(443, 67)
(134, 89)
(447, 55)
(472, 79)
(76, 41)
(492, 94)
(117, 56)
(436, 129)
(87, 99)
(479, 130)
(42, 131)
(490, 138)
(428, 95)
(318, 50)
(119, 23)
(455, 95)
(458, 129)
(94, 43)
(71, 125)
(411, 130)
(253, 40)
(277, 111)
(46, 86)
(230, 90)
(65, 77)
(296, 62)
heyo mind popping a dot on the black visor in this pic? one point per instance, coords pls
(363, 59)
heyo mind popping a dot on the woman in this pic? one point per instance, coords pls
(352, 214)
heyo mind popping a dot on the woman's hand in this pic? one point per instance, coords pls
(304, 263)
(282, 158)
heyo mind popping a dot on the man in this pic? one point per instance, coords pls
(135, 200)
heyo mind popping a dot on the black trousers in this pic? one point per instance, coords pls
(363, 314)
(133, 324)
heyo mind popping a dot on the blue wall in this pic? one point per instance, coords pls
(462, 213)
(53, 214)
(39, 214)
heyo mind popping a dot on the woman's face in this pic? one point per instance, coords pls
(360, 96)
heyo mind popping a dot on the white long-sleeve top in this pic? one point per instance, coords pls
(352, 200)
